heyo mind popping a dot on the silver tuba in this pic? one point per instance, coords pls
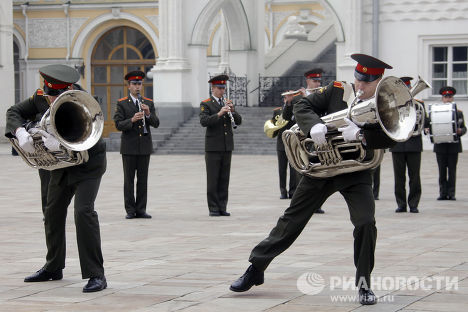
(75, 119)
(391, 108)
(420, 85)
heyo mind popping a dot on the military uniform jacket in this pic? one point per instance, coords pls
(308, 110)
(133, 142)
(28, 109)
(218, 136)
(287, 114)
(453, 148)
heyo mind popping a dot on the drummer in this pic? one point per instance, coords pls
(447, 153)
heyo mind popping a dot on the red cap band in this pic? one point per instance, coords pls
(447, 92)
(314, 75)
(369, 70)
(57, 86)
(407, 82)
(135, 78)
(219, 82)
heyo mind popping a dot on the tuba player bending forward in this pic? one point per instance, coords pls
(81, 181)
(311, 193)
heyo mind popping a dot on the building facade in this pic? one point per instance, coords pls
(180, 43)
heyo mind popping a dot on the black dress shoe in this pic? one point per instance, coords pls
(319, 211)
(283, 197)
(44, 276)
(251, 277)
(130, 216)
(95, 284)
(451, 198)
(442, 197)
(291, 195)
(224, 213)
(367, 297)
(376, 197)
(215, 213)
(414, 210)
(143, 215)
(401, 209)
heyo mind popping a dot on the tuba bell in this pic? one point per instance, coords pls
(391, 108)
(420, 85)
(75, 119)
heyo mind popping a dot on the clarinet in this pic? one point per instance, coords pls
(145, 131)
(233, 122)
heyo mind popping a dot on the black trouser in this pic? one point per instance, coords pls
(44, 176)
(86, 223)
(218, 170)
(376, 181)
(135, 164)
(282, 171)
(447, 173)
(412, 160)
(309, 196)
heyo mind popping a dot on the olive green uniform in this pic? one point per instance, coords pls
(81, 181)
(136, 149)
(311, 193)
(219, 144)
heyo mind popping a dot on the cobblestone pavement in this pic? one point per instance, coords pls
(184, 260)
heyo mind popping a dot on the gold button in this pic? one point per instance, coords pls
(225, 133)
(139, 126)
(140, 134)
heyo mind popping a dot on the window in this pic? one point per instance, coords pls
(117, 52)
(450, 68)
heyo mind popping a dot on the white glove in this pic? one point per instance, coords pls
(25, 140)
(317, 133)
(50, 141)
(349, 132)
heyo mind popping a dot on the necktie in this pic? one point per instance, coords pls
(136, 103)
(221, 102)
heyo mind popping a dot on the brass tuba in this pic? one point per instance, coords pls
(420, 85)
(75, 119)
(392, 108)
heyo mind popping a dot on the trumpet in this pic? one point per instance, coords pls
(233, 122)
(297, 92)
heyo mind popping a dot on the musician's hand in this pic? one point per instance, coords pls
(145, 108)
(303, 91)
(317, 133)
(50, 141)
(350, 132)
(25, 140)
(230, 105)
(288, 98)
(225, 109)
(459, 131)
(137, 116)
(426, 130)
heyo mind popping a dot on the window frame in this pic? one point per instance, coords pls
(426, 43)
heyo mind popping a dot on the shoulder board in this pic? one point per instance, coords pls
(420, 101)
(123, 99)
(148, 99)
(338, 84)
(40, 92)
(207, 100)
(277, 108)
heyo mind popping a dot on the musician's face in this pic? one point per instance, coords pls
(447, 99)
(312, 84)
(135, 87)
(367, 87)
(218, 92)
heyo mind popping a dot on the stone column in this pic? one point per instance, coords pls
(352, 44)
(172, 71)
(7, 69)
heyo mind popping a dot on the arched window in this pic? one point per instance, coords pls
(116, 53)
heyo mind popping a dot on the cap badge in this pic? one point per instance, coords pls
(364, 69)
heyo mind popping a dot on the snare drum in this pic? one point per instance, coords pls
(443, 128)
